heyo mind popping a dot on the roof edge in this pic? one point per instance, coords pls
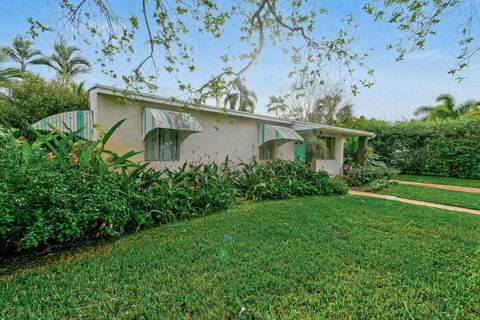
(296, 125)
(102, 89)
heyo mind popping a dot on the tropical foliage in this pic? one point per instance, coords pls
(22, 53)
(369, 178)
(58, 190)
(7, 74)
(27, 101)
(241, 98)
(285, 179)
(448, 109)
(350, 153)
(64, 62)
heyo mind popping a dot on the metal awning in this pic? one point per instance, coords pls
(71, 120)
(271, 132)
(164, 119)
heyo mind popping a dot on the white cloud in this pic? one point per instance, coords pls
(428, 55)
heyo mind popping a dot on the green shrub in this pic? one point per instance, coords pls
(33, 98)
(368, 177)
(285, 179)
(377, 185)
(188, 192)
(58, 190)
(439, 148)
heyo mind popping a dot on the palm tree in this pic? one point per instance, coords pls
(78, 88)
(21, 52)
(245, 98)
(448, 109)
(277, 105)
(7, 75)
(64, 63)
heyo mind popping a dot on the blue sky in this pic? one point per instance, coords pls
(400, 87)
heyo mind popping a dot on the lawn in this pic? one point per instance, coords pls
(448, 197)
(320, 257)
(449, 181)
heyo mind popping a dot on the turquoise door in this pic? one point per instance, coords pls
(299, 152)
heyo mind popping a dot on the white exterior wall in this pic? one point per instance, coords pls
(333, 166)
(237, 137)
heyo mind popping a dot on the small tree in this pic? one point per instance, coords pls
(312, 99)
(32, 99)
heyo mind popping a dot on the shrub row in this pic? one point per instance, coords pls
(59, 190)
(285, 179)
(369, 178)
(442, 148)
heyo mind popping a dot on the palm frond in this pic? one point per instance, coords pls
(423, 110)
(440, 112)
(7, 75)
(65, 65)
(231, 99)
(447, 100)
(21, 51)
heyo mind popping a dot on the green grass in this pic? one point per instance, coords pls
(448, 197)
(470, 183)
(324, 257)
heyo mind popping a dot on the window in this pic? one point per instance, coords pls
(162, 144)
(267, 150)
(328, 150)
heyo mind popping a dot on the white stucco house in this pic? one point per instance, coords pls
(169, 133)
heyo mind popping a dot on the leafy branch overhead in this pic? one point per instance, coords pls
(417, 21)
(163, 27)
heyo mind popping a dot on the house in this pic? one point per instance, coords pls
(169, 133)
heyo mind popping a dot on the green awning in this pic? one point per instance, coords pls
(73, 120)
(283, 134)
(163, 119)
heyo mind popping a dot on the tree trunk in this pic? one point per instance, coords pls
(362, 151)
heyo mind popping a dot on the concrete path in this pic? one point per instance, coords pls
(440, 186)
(414, 202)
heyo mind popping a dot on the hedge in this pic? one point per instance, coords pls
(441, 148)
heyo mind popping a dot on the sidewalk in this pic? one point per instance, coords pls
(414, 202)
